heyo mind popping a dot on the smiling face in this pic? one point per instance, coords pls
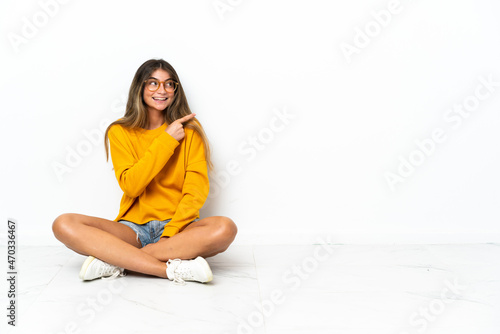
(160, 99)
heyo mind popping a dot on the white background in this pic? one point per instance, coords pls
(352, 118)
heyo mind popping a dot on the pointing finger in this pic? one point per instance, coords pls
(186, 118)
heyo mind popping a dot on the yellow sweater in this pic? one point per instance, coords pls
(161, 178)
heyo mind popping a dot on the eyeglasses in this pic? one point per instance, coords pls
(152, 85)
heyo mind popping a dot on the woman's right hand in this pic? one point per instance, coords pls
(176, 129)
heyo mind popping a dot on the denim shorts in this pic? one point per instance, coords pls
(150, 232)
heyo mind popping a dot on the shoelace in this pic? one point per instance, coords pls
(114, 270)
(115, 275)
(179, 273)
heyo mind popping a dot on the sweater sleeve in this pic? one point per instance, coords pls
(134, 173)
(195, 188)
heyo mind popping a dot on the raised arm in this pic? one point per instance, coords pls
(134, 173)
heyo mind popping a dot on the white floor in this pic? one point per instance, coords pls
(273, 289)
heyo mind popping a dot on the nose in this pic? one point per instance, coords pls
(162, 84)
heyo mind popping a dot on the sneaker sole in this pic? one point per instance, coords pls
(206, 268)
(85, 266)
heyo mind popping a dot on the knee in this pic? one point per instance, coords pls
(62, 225)
(226, 229)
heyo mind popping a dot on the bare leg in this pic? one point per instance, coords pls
(108, 241)
(206, 237)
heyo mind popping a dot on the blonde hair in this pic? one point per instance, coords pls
(136, 112)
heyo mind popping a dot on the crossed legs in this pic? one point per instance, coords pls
(117, 244)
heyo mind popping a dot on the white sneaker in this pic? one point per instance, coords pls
(196, 270)
(94, 268)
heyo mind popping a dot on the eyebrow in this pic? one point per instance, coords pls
(159, 79)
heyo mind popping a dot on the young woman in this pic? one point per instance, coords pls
(160, 156)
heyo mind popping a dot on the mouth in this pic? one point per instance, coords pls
(160, 98)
